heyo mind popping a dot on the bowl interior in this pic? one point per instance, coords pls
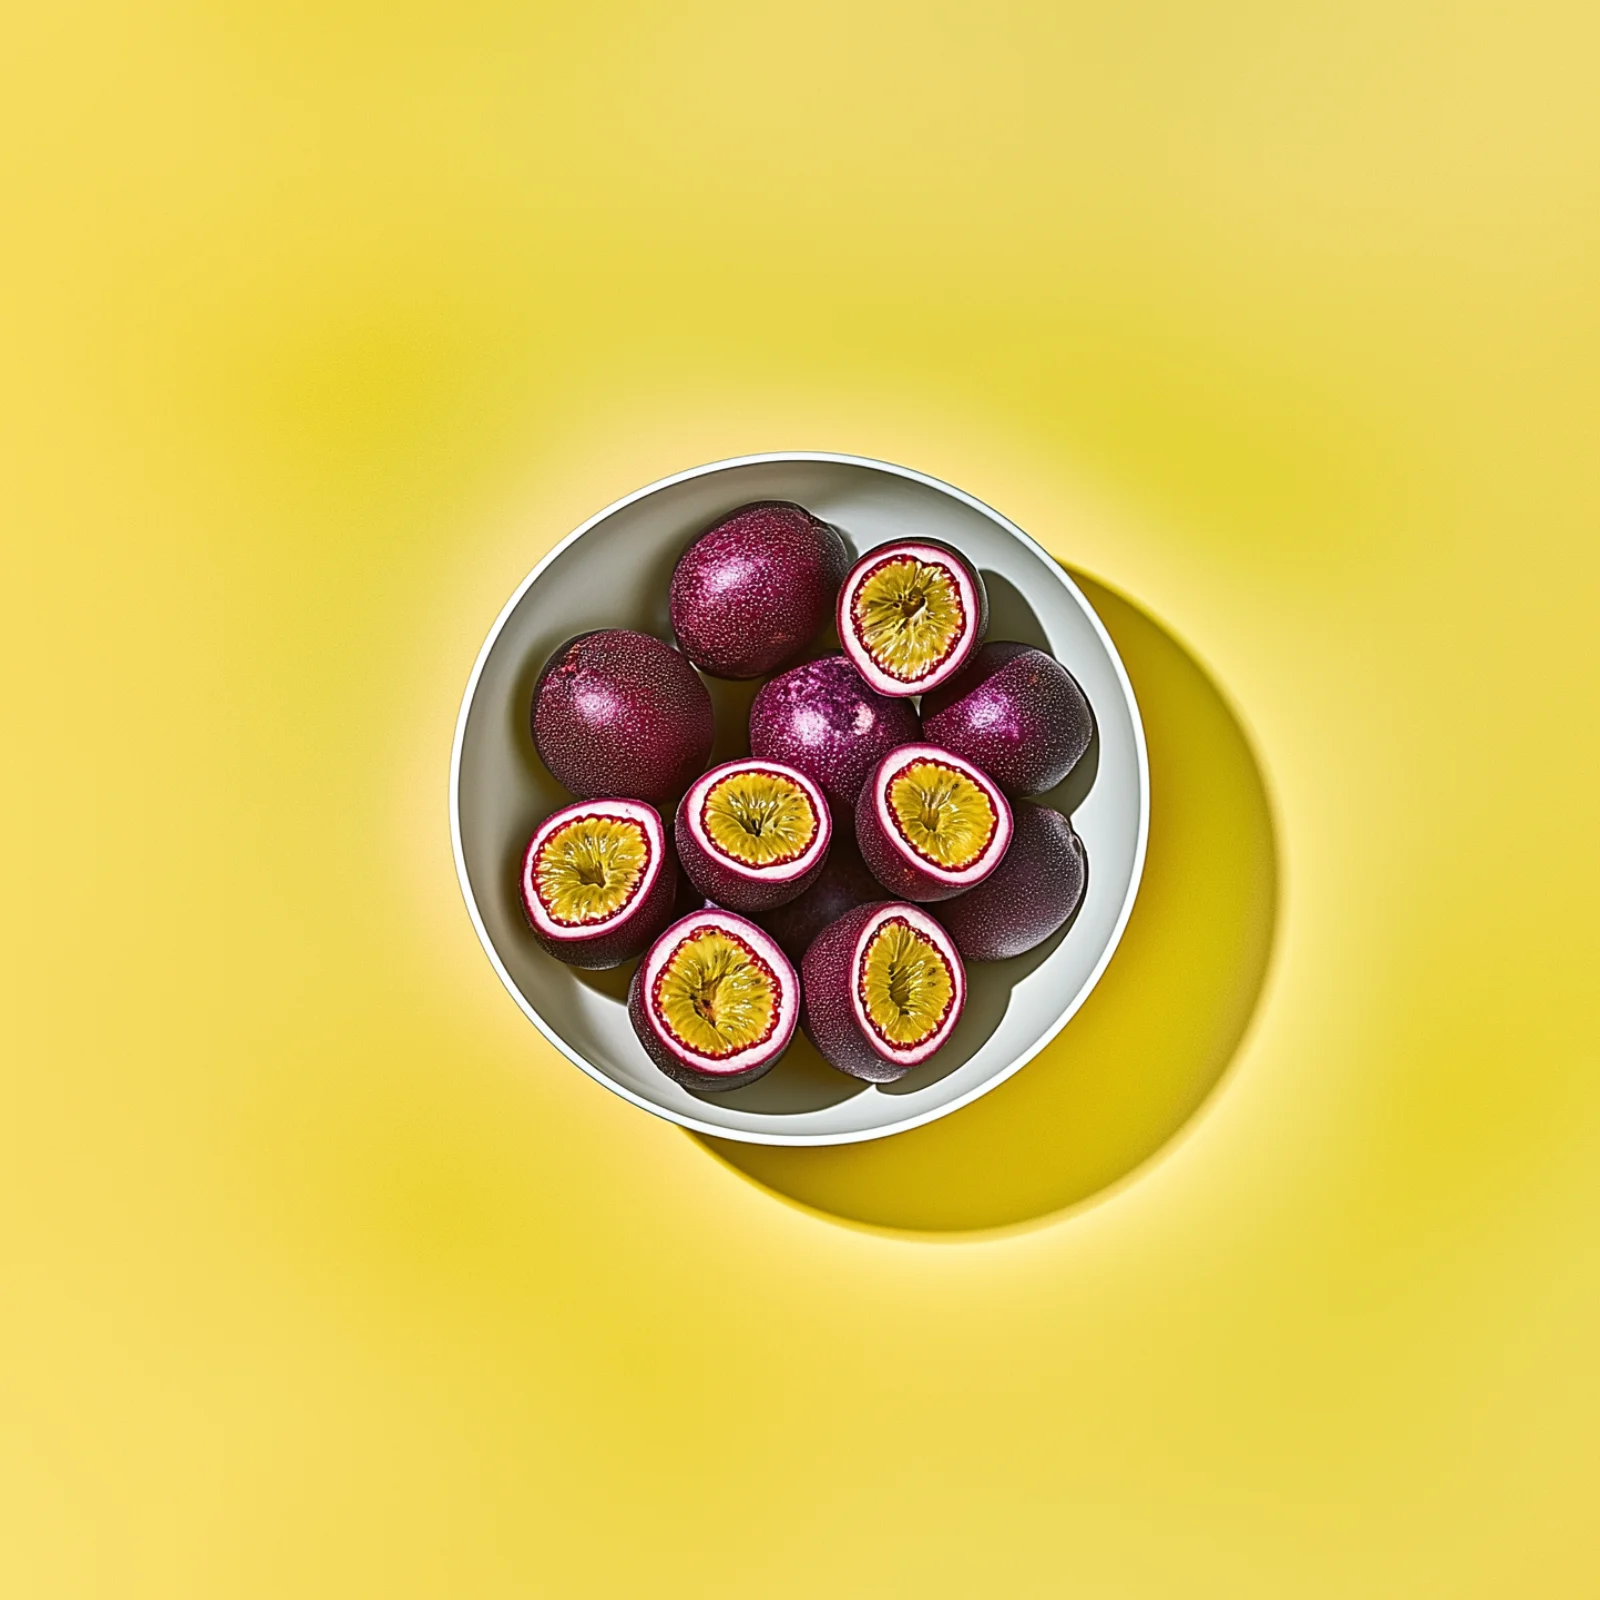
(614, 573)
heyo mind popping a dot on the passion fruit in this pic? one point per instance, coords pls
(930, 824)
(1015, 711)
(598, 881)
(715, 1002)
(843, 884)
(754, 589)
(911, 614)
(884, 987)
(1028, 896)
(620, 713)
(822, 718)
(752, 834)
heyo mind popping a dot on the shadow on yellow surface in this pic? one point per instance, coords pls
(1152, 1040)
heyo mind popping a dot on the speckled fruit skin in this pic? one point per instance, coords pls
(843, 884)
(631, 936)
(620, 713)
(681, 1071)
(1015, 712)
(735, 891)
(828, 1014)
(1034, 890)
(903, 879)
(688, 897)
(822, 718)
(756, 588)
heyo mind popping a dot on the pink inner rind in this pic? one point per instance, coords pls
(949, 766)
(629, 930)
(972, 597)
(765, 966)
(861, 988)
(831, 1005)
(963, 604)
(905, 872)
(640, 815)
(608, 916)
(738, 886)
(814, 804)
(678, 1060)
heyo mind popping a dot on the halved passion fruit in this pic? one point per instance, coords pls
(598, 881)
(715, 1002)
(752, 834)
(930, 824)
(884, 987)
(910, 615)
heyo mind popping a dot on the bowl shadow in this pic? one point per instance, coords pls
(1154, 1039)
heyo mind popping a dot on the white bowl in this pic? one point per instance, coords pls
(613, 572)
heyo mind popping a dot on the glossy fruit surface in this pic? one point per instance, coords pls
(1017, 713)
(884, 988)
(715, 1002)
(752, 834)
(756, 588)
(930, 824)
(843, 884)
(910, 615)
(823, 718)
(598, 881)
(617, 712)
(1028, 896)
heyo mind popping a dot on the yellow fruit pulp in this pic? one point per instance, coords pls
(906, 984)
(589, 869)
(761, 819)
(716, 994)
(908, 614)
(942, 814)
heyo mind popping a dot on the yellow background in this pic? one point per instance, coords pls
(318, 324)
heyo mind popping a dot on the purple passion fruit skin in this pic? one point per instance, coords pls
(822, 718)
(1028, 896)
(688, 898)
(930, 824)
(715, 1002)
(752, 834)
(620, 713)
(843, 884)
(1015, 712)
(911, 614)
(884, 987)
(598, 882)
(756, 588)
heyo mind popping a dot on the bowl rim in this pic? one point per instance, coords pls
(777, 1136)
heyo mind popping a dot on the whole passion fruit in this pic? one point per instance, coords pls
(822, 718)
(755, 588)
(884, 987)
(752, 834)
(911, 614)
(843, 884)
(715, 1002)
(930, 824)
(1028, 896)
(598, 881)
(620, 713)
(1018, 713)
